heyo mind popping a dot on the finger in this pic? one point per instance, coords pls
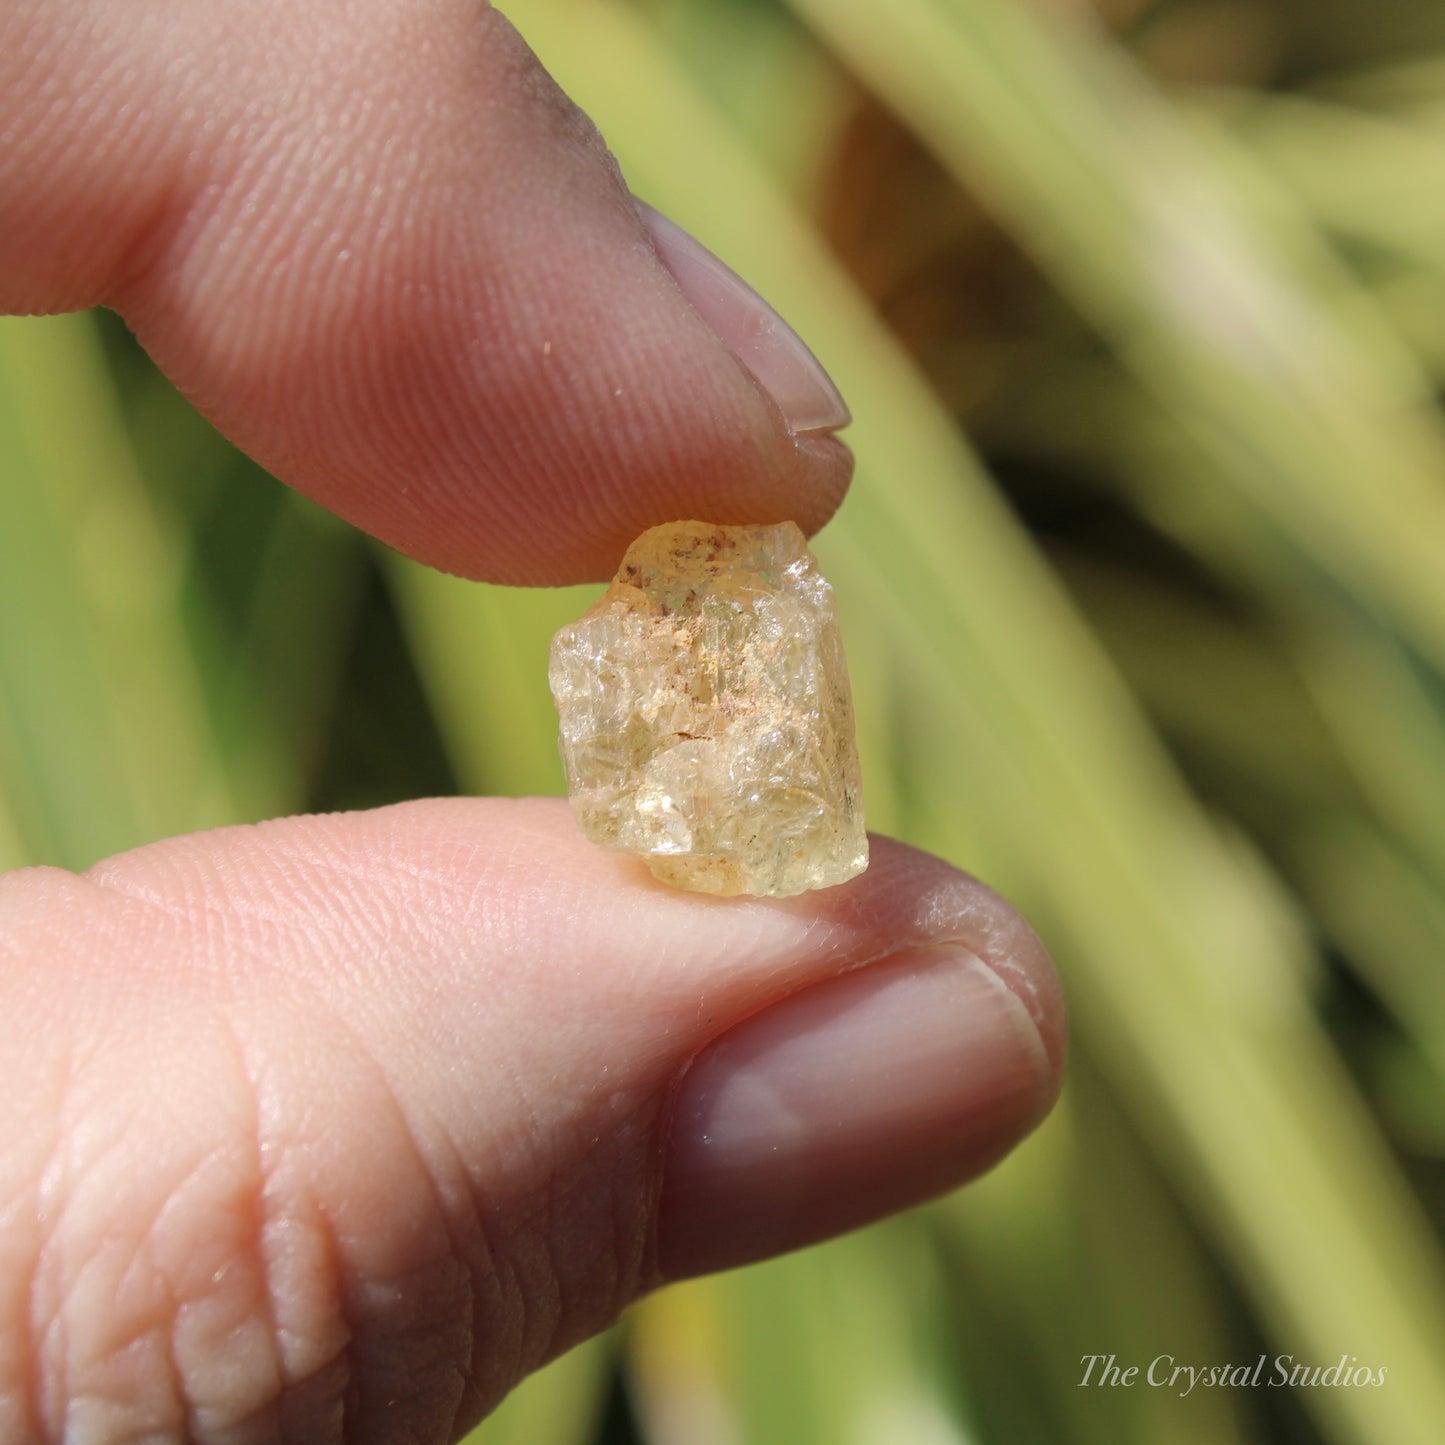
(382, 251)
(350, 1121)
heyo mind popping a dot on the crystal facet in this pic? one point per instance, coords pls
(706, 719)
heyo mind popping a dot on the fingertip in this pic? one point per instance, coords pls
(871, 1090)
(458, 334)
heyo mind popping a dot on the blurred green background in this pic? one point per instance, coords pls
(1140, 308)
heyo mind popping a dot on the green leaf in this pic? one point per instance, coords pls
(104, 738)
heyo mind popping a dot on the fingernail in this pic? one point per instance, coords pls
(756, 334)
(848, 1101)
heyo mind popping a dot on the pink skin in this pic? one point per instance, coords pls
(336, 1127)
(306, 212)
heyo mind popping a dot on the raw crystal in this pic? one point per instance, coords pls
(706, 719)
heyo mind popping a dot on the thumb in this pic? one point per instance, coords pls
(340, 1125)
(374, 242)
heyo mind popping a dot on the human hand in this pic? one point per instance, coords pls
(336, 1127)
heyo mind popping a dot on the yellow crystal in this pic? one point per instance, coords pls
(707, 724)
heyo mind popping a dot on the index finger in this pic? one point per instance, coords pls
(383, 252)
